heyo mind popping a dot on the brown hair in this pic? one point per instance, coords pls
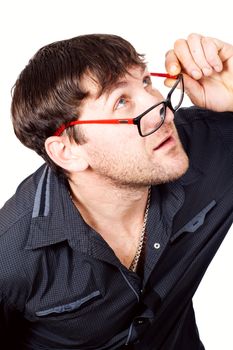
(48, 91)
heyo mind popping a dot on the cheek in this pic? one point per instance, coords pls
(157, 94)
(117, 140)
(116, 134)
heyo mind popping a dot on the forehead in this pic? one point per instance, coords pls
(95, 90)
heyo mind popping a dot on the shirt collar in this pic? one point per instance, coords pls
(54, 217)
(192, 175)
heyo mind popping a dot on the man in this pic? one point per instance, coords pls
(105, 246)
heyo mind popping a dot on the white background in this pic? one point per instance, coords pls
(152, 27)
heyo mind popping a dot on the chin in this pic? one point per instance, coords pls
(178, 169)
(173, 170)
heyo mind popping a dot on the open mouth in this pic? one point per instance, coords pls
(169, 141)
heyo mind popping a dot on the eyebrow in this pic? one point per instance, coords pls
(109, 90)
(119, 84)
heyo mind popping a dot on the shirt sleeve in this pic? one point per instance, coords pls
(224, 125)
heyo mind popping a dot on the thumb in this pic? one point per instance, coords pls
(195, 91)
(172, 63)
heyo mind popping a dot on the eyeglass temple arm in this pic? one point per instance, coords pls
(164, 75)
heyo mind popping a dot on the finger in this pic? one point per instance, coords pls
(192, 88)
(195, 91)
(181, 50)
(198, 53)
(225, 51)
(212, 53)
(172, 64)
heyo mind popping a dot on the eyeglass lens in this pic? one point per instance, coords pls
(152, 121)
(177, 96)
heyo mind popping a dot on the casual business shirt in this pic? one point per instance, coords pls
(62, 286)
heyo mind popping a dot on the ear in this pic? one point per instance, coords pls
(68, 155)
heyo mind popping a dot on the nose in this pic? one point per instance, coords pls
(147, 99)
(169, 118)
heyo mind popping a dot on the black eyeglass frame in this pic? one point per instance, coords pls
(166, 104)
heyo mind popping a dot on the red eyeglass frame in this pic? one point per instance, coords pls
(60, 130)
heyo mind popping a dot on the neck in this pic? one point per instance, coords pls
(117, 213)
(100, 205)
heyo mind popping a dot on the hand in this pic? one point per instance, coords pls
(207, 65)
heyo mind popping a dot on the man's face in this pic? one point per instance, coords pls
(116, 152)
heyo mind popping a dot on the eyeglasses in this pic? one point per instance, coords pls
(147, 123)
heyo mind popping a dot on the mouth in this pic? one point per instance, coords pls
(169, 141)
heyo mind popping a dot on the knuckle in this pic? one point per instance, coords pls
(211, 51)
(206, 40)
(207, 43)
(193, 36)
(178, 43)
(169, 53)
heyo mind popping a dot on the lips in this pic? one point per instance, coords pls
(165, 142)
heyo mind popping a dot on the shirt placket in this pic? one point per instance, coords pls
(166, 202)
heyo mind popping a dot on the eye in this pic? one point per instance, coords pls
(121, 103)
(147, 81)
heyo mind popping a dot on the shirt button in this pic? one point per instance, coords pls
(140, 321)
(156, 245)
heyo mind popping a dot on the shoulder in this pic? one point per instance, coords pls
(205, 130)
(20, 204)
(203, 122)
(207, 138)
(15, 220)
(189, 115)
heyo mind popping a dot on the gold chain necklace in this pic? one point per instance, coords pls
(134, 263)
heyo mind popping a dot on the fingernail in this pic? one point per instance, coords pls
(196, 74)
(174, 69)
(207, 70)
(217, 68)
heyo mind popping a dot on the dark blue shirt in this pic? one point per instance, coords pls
(61, 285)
